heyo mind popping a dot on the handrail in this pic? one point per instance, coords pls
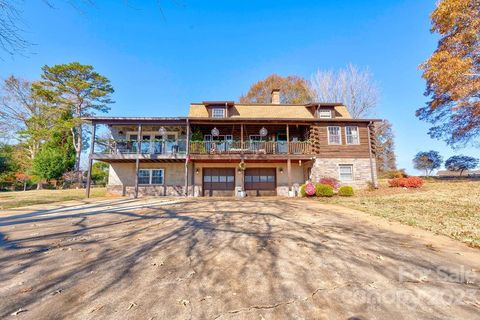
(179, 146)
(156, 146)
(250, 147)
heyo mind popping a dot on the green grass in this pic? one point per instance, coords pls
(450, 208)
(27, 198)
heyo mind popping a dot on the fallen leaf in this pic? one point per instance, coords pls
(183, 302)
(18, 311)
(132, 304)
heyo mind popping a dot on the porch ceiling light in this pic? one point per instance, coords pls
(162, 131)
(215, 132)
(263, 132)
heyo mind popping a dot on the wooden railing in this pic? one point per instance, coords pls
(249, 147)
(158, 147)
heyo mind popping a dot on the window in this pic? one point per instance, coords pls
(324, 113)
(345, 172)
(143, 176)
(150, 176)
(334, 136)
(351, 134)
(157, 176)
(218, 113)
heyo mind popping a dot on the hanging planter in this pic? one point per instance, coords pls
(242, 166)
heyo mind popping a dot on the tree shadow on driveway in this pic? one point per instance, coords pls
(218, 258)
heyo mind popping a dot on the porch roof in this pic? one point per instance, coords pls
(138, 120)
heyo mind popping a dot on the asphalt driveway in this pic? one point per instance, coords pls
(265, 258)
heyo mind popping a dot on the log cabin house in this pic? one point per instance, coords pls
(225, 148)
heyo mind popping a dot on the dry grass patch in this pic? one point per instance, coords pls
(27, 198)
(450, 208)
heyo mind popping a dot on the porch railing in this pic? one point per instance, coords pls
(249, 147)
(156, 147)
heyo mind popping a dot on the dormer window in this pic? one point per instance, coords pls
(218, 112)
(324, 113)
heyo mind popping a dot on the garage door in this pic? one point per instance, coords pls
(218, 182)
(260, 181)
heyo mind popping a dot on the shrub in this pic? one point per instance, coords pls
(301, 191)
(392, 174)
(334, 183)
(323, 190)
(310, 189)
(410, 182)
(345, 191)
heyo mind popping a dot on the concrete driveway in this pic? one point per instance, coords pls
(265, 258)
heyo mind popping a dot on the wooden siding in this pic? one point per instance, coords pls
(319, 139)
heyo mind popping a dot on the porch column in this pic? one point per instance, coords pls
(193, 179)
(137, 160)
(289, 162)
(241, 138)
(90, 160)
(288, 140)
(242, 184)
(187, 158)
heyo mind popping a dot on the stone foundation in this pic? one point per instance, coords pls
(328, 168)
(148, 190)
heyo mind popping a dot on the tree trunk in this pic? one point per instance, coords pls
(78, 144)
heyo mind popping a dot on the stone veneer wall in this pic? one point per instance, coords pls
(323, 168)
(148, 190)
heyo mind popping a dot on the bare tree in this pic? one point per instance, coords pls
(11, 40)
(356, 89)
(21, 111)
(352, 86)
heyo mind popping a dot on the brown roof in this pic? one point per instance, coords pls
(257, 110)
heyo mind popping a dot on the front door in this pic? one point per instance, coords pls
(260, 181)
(219, 182)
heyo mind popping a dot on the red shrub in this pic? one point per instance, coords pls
(334, 183)
(414, 182)
(410, 182)
(310, 189)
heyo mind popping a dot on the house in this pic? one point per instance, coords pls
(225, 148)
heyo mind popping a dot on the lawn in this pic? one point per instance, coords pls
(450, 208)
(27, 198)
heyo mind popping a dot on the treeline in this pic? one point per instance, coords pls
(41, 128)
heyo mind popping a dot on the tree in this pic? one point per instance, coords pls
(352, 86)
(385, 147)
(100, 173)
(452, 73)
(294, 90)
(10, 38)
(357, 90)
(428, 161)
(22, 114)
(8, 166)
(50, 164)
(461, 163)
(78, 90)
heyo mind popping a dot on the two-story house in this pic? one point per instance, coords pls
(224, 148)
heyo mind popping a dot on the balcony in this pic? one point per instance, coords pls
(278, 148)
(149, 149)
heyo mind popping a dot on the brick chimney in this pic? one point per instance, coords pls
(275, 96)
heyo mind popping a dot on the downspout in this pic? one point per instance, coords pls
(372, 172)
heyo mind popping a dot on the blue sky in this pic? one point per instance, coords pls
(159, 59)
